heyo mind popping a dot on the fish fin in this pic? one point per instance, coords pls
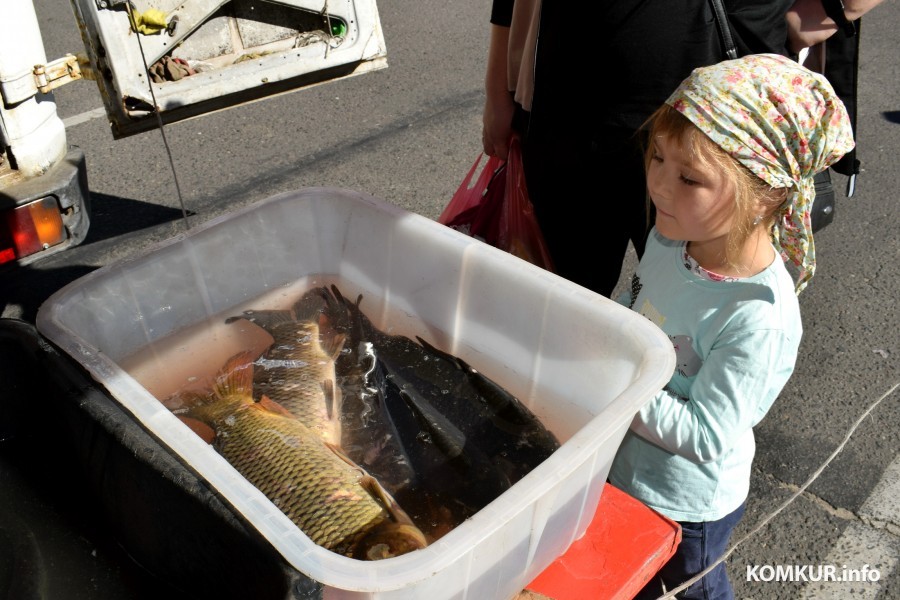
(341, 454)
(206, 433)
(185, 400)
(331, 295)
(267, 319)
(236, 377)
(327, 331)
(332, 342)
(332, 398)
(333, 305)
(339, 297)
(334, 313)
(273, 407)
(337, 294)
(383, 497)
(445, 435)
(460, 364)
(371, 485)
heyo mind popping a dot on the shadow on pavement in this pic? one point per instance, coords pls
(112, 216)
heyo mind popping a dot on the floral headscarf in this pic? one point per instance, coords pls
(781, 121)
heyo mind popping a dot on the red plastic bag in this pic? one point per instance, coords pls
(497, 210)
(473, 207)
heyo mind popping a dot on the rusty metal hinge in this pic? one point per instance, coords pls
(61, 71)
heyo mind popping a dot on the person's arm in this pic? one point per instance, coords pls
(731, 393)
(808, 24)
(498, 106)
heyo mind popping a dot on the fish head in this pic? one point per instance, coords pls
(390, 539)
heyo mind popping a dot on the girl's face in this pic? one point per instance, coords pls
(693, 202)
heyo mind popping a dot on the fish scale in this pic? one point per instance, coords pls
(281, 458)
(297, 370)
(320, 491)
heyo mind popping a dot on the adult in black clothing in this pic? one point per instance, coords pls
(599, 71)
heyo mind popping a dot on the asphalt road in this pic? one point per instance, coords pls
(409, 133)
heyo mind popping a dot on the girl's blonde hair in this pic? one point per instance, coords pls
(747, 187)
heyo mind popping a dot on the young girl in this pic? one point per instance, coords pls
(730, 171)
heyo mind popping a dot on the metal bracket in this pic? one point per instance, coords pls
(44, 78)
(57, 73)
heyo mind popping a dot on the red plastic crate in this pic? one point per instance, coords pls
(622, 549)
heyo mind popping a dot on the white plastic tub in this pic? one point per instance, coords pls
(582, 363)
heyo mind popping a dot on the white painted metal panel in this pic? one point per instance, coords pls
(227, 52)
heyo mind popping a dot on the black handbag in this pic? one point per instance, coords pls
(841, 70)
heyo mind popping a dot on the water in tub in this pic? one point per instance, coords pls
(440, 437)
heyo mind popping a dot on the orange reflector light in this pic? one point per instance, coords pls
(30, 228)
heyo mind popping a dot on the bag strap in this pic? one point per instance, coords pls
(724, 29)
(842, 71)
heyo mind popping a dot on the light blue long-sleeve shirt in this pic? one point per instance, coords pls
(690, 448)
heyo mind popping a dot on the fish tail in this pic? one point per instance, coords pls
(311, 304)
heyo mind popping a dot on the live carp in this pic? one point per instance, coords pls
(466, 438)
(333, 501)
(297, 370)
(368, 433)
